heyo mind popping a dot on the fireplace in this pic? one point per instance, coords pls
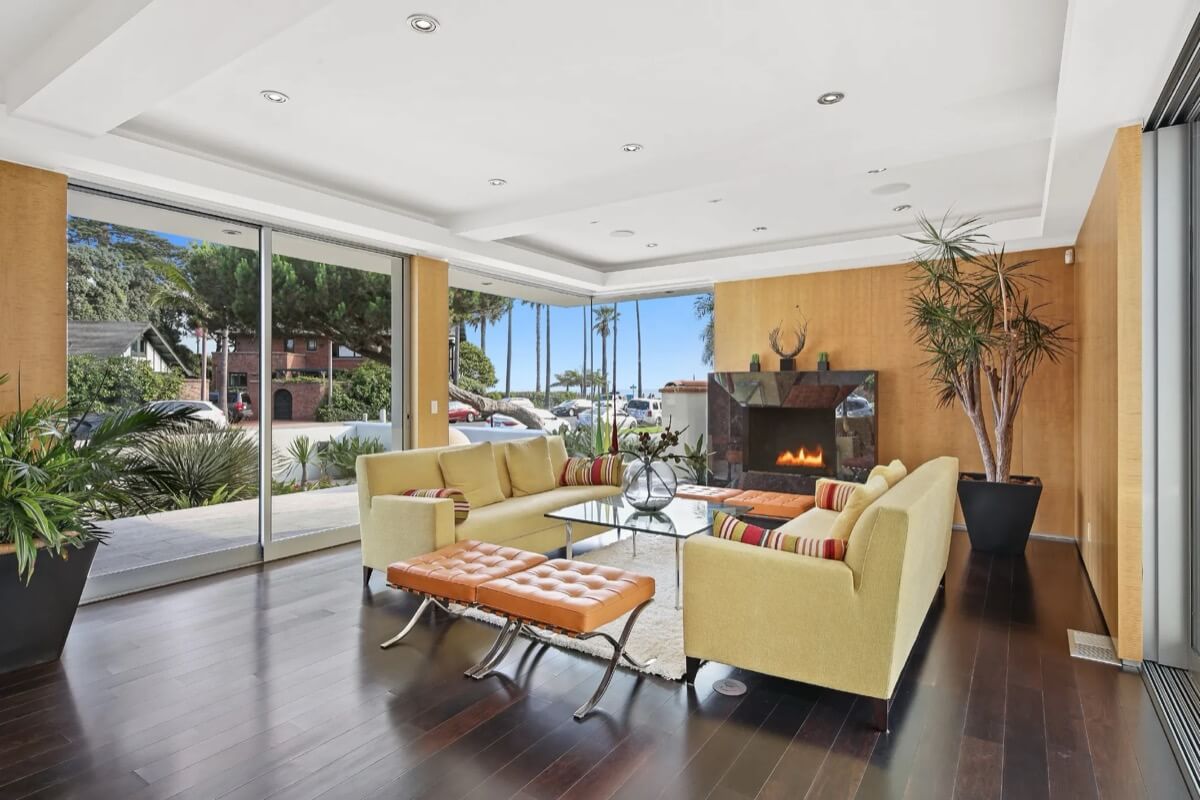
(781, 431)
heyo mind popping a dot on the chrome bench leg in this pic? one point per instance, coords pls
(618, 653)
(411, 624)
(504, 642)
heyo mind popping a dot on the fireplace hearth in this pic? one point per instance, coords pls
(781, 431)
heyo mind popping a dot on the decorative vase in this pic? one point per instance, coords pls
(649, 485)
(787, 364)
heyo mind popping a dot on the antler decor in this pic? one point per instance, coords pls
(775, 337)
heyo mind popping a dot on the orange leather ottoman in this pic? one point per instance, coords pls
(455, 572)
(567, 595)
(781, 505)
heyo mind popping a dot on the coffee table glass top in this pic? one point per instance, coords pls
(680, 518)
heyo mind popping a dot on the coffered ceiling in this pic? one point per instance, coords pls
(392, 136)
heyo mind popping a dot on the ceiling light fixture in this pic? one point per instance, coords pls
(902, 207)
(831, 98)
(651, 244)
(632, 147)
(273, 96)
(621, 234)
(231, 231)
(422, 23)
(487, 283)
(760, 229)
(715, 200)
(876, 171)
(497, 181)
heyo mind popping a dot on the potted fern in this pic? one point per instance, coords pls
(971, 314)
(52, 489)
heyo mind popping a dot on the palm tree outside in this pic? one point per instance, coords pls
(702, 308)
(508, 355)
(537, 343)
(637, 311)
(604, 323)
(548, 356)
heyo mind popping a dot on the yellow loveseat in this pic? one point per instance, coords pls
(395, 528)
(848, 625)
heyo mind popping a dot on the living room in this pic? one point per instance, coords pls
(618, 402)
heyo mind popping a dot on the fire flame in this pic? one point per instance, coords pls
(801, 458)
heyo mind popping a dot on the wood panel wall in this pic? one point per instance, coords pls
(430, 363)
(1108, 455)
(859, 317)
(33, 284)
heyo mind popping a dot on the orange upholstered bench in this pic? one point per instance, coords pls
(562, 596)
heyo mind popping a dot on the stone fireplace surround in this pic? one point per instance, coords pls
(758, 422)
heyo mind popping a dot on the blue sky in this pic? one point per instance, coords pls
(670, 341)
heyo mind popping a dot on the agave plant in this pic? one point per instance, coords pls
(184, 470)
(972, 316)
(303, 452)
(340, 454)
(53, 486)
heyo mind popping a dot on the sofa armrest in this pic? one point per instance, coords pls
(397, 527)
(780, 613)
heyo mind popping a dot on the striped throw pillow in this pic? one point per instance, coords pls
(602, 471)
(832, 495)
(727, 527)
(462, 507)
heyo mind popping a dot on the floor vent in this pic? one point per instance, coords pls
(1092, 647)
(1177, 702)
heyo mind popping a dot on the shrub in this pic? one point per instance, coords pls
(363, 392)
(107, 384)
(193, 469)
(344, 407)
(340, 454)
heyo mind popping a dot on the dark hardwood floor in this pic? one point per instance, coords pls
(269, 682)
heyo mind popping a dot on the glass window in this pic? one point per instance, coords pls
(345, 352)
(238, 380)
(289, 345)
(310, 345)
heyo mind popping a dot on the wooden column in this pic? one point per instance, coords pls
(33, 284)
(429, 370)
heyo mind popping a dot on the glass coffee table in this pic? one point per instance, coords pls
(680, 519)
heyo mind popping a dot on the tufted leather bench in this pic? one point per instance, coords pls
(570, 597)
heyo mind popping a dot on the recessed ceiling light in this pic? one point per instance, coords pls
(830, 98)
(273, 96)
(902, 207)
(487, 283)
(621, 234)
(716, 200)
(632, 147)
(231, 231)
(422, 23)
(651, 244)
(760, 229)
(876, 171)
(497, 181)
(669, 291)
(594, 222)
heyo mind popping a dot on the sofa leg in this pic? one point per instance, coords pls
(880, 712)
(367, 575)
(692, 667)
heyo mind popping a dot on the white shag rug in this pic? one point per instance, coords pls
(658, 632)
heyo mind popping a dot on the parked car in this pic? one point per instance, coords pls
(202, 411)
(239, 404)
(83, 426)
(549, 421)
(606, 414)
(646, 410)
(855, 406)
(523, 402)
(461, 412)
(571, 408)
(505, 421)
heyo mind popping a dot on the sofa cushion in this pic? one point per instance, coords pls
(727, 527)
(472, 470)
(893, 473)
(813, 524)
(500, 451)
(558, 454)
(832, 495)
(604, 470)
(391, 473)
(518, 516)
(860, 498)
(462, 508)
(529, 466)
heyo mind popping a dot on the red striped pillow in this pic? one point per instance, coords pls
(833, 495)
(727, 527)
(461, 506)
(603, 471)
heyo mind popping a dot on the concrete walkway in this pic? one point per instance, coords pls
(169, 535)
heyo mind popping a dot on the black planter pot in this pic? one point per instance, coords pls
(999, 516)
(36, 618)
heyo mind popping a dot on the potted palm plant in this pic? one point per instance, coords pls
(971, 314)
(53, 487)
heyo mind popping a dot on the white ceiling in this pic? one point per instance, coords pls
(391, 136)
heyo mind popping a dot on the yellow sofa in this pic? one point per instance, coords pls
(848, 625)
(395, 528)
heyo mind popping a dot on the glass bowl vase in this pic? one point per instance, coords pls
(649, 485)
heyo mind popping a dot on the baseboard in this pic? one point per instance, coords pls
(958, 527)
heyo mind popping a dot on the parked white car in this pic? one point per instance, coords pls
(202, 411)
(523, 402)
(550, 423)
(606, 414)
(646, 410)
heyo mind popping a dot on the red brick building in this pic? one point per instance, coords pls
(300, 372)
